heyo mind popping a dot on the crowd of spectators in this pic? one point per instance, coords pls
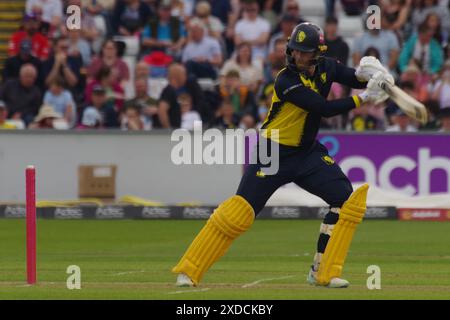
(146, 64)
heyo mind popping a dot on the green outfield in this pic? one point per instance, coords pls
(131, 259)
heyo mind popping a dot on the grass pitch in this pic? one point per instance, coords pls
(131, 259)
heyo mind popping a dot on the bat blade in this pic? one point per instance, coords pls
(408, 104)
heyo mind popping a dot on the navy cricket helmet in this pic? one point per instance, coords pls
(306, 37)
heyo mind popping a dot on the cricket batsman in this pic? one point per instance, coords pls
(298, 103)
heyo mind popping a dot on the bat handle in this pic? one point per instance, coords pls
(382, 85)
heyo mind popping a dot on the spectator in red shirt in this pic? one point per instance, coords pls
(40, 43)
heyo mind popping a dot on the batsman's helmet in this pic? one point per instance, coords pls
(306, 37)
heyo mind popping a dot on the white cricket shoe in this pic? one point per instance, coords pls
(334, 282)
(184, 281)
(338, 283)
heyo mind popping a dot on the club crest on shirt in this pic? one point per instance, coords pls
(323, 77)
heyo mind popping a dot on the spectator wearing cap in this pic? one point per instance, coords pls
(3, 116)
(39, 43)
(45, 118)
(130, 16)
(336, 46)
(202, 55)
(12, 65)
(169, 110)
(214, 26)
(251, 73)
(52, 11)
(287, 24)
(444, 119)
(164, 32)
(401, 122)
(62, 101)
(109, 57)
(22, 96)
(254, 30)
(114, 92)
(91, 119)
(422, 50)
(99, 101)
(385, 41)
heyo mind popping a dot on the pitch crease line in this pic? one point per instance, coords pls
(262, 280)
(128, 272)
(188, 291)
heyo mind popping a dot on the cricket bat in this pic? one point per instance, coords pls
(408, 104)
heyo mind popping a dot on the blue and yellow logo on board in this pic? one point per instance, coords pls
(301, 36)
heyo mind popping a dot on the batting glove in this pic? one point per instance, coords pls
(369, 66)
(374, 93)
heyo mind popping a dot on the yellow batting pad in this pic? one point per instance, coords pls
(232, 218)
(350, 215)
